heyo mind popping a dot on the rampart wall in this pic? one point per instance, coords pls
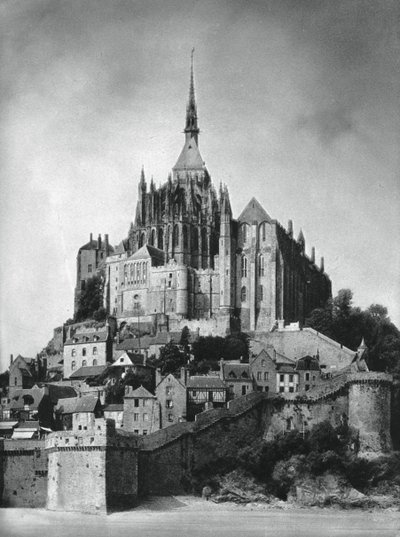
(24, 468)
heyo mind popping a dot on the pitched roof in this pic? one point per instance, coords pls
(88, 337)
(57, 392)
(93, 245)
(205, 382)
(190, 158)
(37, 394)
(66, 406)
(254, 212)
(308, 363)
(114, 407)
(29, 425)
(131, 359)
(140, 392)
(147, 251)
(86, 403)
(282, 359)
(88, 371)
(236, 370)
(134, 343)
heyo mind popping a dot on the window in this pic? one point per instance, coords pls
(244, 267)
(169, 403)
(185, 237)
(84, 363)
(258, 375)
(266, 375)
(243, 294)
(145, 417)
(263, 231)
(136, 402)
(153, 237)
(175, 239)
(263, 363)
(95, 362)
(307, 387)
(244, 233)
(73, 352)
(170, 417)
(194, 393)
(281, 378)
(160, 242)
(290, 378)
(168, 390)
(261, 292)
(307, 376)
(73, 366)
(94, 352)
(281, 389)
(244, 389)
(89, 268)
(291, 389)
(136, 416)
(261, 266)
(83, 351)
(136, 431)
(144, 432)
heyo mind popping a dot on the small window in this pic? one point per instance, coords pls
(258, 375)
(144, 432)
(169, 403)
(136, 431)
(170, 417)
(282, 378)
(168, 390)
(290, 378)
(266, 375)
(243, 294)
(95, 362)
(73, 352)
(89, 268)
(307, 376)
(281, 389)
(83, 351)
(84, 363)
(263, 363)
(73, 365)
(244, 389)
(145, 417)
(94, 352)
(136, 402)
(194, 393)
(136, 416)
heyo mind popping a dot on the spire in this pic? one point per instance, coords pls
(191, 128)
(301, 240)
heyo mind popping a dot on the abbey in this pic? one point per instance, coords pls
(187, 261)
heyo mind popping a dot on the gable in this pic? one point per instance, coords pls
(254, 212)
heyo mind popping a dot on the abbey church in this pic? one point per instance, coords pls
(187, 262)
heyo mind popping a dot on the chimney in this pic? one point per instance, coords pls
(11, 359)
(183, 375)
(313, 254)
(91, 237)
(158, 376)
(99, 242)
(221, 369)
(290, 228)
(322, 264)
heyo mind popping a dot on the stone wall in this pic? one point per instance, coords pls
(24, 470)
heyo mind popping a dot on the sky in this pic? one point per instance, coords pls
(298, 105)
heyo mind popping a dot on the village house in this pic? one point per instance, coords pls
(204, 392)
(88, 347)
(171, 396)
(237, 376)
(141, 411)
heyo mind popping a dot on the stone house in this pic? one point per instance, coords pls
(237, 377)
(114, 412)
(141, 411)
(205, 392)
(32, 404)
(87, 348)
(309, 372)
(171, 396)
(87, 410)
(22, 373)
(263, 371)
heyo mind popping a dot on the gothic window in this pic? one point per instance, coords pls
(134, 273)
(142, 240)
(125, 274)
(144, 272)
(84, 352)
(139, 272)
(84, 363)
(261, 292)
(176, 236)
(153, 237)
(244, 267)
(244, 233)
(204, 240)
(243, 294)
(185, 237)
(161, 239)
(195, 240)
(258, 375)
(131, 273)
(262, 231)
(94, 350)
(261, 266)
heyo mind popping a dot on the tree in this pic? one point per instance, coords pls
(90, 301)
(171, 359)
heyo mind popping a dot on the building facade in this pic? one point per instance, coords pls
(187, 262)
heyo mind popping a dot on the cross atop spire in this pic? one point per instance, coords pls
(191, 128)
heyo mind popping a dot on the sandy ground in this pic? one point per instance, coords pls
(190, 516)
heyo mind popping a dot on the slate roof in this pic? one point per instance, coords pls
(254, 212)
(147, 251)
(133, 359)
(57, 392)
(17, 401)
(93, 245)
(29, 425)
(88, 371)
(308, 363)
(87, 337)
(281, 359)
(236, 370)
(86, 403)
(190, 157)
(205, 382)
(114, 407)
(134, 343)
(140, 392)
(66, 406)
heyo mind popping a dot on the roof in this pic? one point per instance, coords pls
(23, 435)
(134, 343)
(6, 425)
(93, 245)
(88, 371)
(148, 252)
(37, 394)
(236, 370)
(282, 359)
(205, 382)
(120, 248)
(66, 406)
(88, 337)
(29, 425)
(254, 212)
(113, 408)
(190, 158)
(308, 363)
(131, 359)
(140, 392)
(86, 403)
(57, 392)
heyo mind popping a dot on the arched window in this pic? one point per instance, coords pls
(73, 365)
(84, 352)
(84, 363)
(139, 272)
(142, 240)
(263, 231)
(195, 240)
(175, 240)
(95, 362)
(144, 272)
(185, 237)
(261, 266)
(125, 274)
(261, 292)
(73, 352)
(243, 294)
(94, 350)
(244, 267)
(204, 245)
(160, 238)
(153, 237)
(244, 233)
